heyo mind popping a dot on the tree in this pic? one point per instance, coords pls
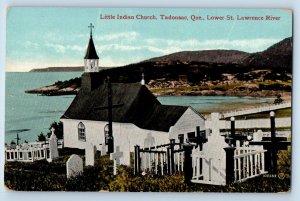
(41, 137)
(58, 130)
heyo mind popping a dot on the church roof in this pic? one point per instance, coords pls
(137, 105)
(91, 50)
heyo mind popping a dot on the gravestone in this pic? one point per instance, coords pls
(90, 151)
(214, 162)
(116, 156)
(53, 147)
(74, 166)
(238, 143)
(103, 150)
(257, 136)
(123, 142)
(25, 146)
(149, 141)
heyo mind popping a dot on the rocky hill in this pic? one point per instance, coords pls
(278, 55)
(207, 72)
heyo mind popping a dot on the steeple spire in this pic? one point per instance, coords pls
(91, 59)
(91, 50)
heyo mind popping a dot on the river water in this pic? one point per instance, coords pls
(31, 114)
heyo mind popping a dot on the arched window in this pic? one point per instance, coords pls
(81, 131)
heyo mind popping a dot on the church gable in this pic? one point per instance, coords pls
(187, 123)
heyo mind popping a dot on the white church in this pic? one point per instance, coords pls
(140, 115)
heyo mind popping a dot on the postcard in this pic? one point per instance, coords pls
(148, 99)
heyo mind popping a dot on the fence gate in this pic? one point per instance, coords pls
(159, 160)
(249, 162)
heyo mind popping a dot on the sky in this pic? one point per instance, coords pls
(46, 37)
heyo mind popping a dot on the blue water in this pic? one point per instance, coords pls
(31, 114)
(212, 103)
(31, 111)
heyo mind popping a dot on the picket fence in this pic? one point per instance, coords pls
(170, 159)
(160, 160)
(29, 152)
(249, 162)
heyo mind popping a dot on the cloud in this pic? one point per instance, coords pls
(161, 46)
(59, 48)
(29, 44)
(248, 45)
(109, 61)
(115, 36)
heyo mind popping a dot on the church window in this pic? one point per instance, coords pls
(81, 131)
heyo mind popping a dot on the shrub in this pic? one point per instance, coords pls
(58, 130)
(284, 163)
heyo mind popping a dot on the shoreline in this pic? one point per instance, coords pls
(286, 96)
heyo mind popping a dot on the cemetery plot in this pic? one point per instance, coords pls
(205, 157)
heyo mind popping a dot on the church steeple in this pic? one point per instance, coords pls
(91, 58)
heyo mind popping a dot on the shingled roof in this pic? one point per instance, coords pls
(91, 50)
(140, 107)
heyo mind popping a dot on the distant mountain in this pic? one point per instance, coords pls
(278, 55)
(208, 56)
(58, 69)
(63, 69)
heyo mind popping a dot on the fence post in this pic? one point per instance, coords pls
(188, 166)
(229, 164)
(273, 151)
(172, 161)
(198, 135)
(137, 160)
(232, 131)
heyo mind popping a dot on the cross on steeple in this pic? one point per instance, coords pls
(91, 27)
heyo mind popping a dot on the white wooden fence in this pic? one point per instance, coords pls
(154, 161)
(257, 110)
(27, 152)
(204, 169)
(160, 160)
(248, 163)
